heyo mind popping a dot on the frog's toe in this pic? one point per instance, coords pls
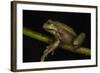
(45, 51)
(52, 53)
(76, 43)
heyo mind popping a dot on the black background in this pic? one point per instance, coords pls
(33, 49)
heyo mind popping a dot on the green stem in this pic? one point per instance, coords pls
(35, 35)
(43, 38)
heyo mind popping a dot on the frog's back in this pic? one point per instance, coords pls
(65, 27)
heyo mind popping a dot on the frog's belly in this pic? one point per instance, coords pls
(67, 39)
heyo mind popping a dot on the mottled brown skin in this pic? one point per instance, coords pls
(63, 35)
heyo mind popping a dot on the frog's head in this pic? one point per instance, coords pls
(50, 26)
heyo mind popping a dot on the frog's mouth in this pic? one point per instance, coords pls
(50, 30)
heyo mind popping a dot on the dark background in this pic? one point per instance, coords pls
(34, 20)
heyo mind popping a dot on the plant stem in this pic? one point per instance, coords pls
(43, 38)
(35, 35)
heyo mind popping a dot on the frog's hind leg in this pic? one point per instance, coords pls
(49, 49)
(79, 40)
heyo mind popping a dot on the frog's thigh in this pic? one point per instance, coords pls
(79, 40)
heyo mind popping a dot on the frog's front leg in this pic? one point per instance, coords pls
(79, 40)
(50, 49)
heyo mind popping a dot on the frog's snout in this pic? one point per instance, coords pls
(44, 26)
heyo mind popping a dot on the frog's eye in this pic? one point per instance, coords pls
(51, 24)
(48, 23)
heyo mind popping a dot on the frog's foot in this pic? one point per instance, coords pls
(46, 52)
(79, 40)
(50, 49)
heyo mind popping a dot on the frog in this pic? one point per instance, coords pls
(63, 35)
